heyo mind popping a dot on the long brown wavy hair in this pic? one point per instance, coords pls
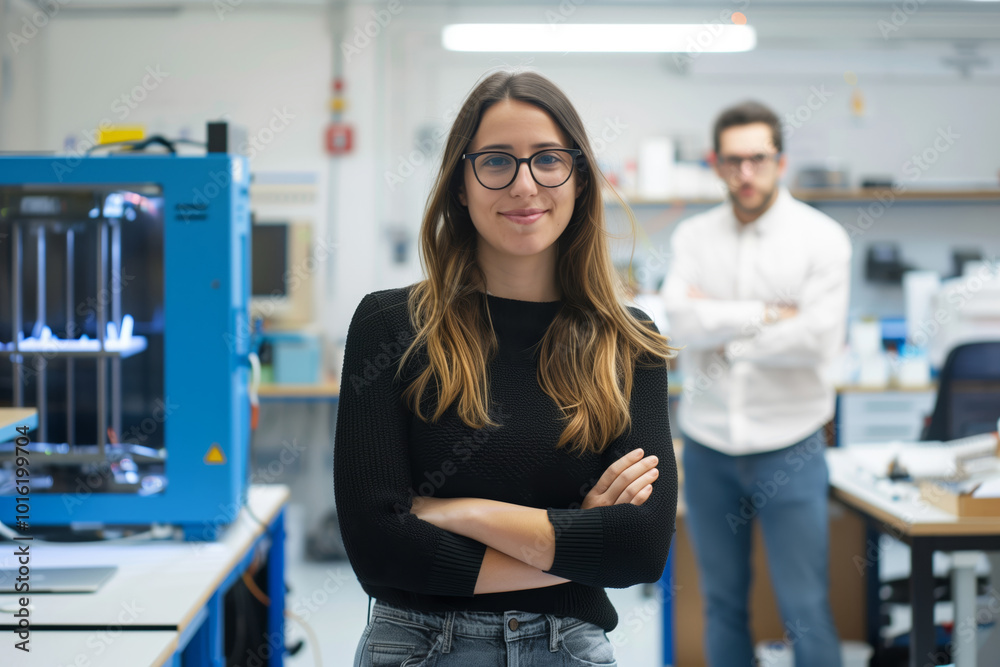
(587, 355)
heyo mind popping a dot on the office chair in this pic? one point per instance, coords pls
(968, 399)
(968, 403)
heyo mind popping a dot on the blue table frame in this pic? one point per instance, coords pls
(201, 642)
(667, 589)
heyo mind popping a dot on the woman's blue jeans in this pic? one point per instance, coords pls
(787, 491)
(398, 637)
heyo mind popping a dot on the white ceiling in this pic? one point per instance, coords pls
(792, 23)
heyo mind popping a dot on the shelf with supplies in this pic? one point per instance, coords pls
(878, 193)
(326, 390)
(882, 389)
(833, 195)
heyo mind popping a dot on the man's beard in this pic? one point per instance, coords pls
(768, 198)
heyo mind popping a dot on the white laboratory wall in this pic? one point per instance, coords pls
(255, 64)
(910, 101)
(627, 98)
(267, 70)
(908, 94)
(261, 70)
(22, 100)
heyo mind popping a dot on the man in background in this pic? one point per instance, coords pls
(757, 295)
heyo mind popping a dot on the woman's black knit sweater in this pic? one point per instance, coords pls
(384, 456)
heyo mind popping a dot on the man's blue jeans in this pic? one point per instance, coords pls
(787, 491)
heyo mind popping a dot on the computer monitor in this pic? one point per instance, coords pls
(281, 273)
(269, 260)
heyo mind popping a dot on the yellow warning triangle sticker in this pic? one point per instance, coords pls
(215, 454)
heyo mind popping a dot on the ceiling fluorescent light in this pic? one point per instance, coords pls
(602, 38)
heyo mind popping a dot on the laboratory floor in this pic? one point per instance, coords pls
(329, 598)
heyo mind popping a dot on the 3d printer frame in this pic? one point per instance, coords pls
(205, 413)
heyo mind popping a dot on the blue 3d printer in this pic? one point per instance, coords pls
(124, 295)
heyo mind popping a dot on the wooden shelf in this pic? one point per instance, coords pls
(862, 389)
(835, 195)
(874, 194)
(328, 389)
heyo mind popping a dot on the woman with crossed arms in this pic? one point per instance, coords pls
(503, 448)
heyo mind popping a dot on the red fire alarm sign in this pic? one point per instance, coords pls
(339, 138)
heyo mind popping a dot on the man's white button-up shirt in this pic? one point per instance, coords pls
(749, 385)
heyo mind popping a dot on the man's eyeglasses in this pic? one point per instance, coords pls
(550, 167)
(733, 164)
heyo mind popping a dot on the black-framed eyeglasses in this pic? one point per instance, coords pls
(733, 164)
(550, 168)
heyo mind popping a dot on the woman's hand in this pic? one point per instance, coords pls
(627, 480)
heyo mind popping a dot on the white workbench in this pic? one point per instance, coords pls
(66, 648)
(159, 585)
(897, 509)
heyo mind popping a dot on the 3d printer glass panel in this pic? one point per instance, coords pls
(82, 334)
